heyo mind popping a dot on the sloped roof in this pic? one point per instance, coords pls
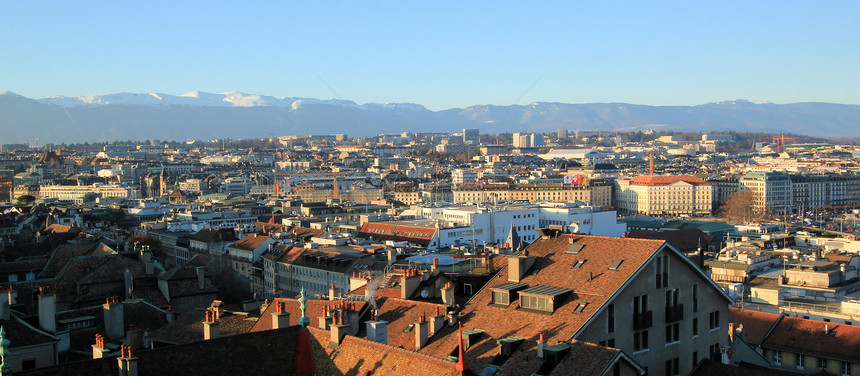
(805, 336)
(683, 240)
(756, 323)
(654, 181)
(250, 242)
(388, 231)
(188, 327)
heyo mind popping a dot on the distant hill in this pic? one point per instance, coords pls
(196, 115)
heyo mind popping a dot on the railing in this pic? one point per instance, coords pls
(811, 307)
(674, 313)
(643, 320)
(728, 278)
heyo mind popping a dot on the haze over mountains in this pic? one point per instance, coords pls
(203, 116)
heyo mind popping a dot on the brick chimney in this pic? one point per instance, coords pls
(411, 280)
(280, 318)
(435, 264)
(377, 330)
(326, 319)
(437, 321)
(114, 317)
(99, 348)
(332, 292)
(448, 294)
(541, 345)
(392, 256)
(201, 278)
(518, 266)
(127, 362)
(134, 336)
(211, 329)
(338, 327)
(358, 280)
(421, 329)
(47, 310)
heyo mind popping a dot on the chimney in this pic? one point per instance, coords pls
(134, 336)
(149, 265)
(99, 348)
(332, 292)
(113, 314)
(280, 318)
(201, 278)
(826, 329)
(326, 319)
(127, 362)
(377, 330)
(129, 284)
(211, 330)
(47, 310)
(409, 283)
(518, 266)
(541, 345)
(448, 294)
(358, 280)
(169, 315)
(421, 328)
(437, 321)
(392, 256)
(338, 328)
(435, 264)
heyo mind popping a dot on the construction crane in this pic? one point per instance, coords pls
(779, 141)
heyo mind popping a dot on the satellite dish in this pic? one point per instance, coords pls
(568, 179)
(424, 294)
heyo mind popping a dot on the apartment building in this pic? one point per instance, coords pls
(664, 195)
(598, 192)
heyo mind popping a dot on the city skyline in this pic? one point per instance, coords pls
(440, 56)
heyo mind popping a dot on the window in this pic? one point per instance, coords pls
(662, 271)
(777, 357)
(536, 302)
(695, 326)
(695, 358)
(846, 368)
(695, 298)
(822, 363)
(714, 320)
(799, 361)
(607, 343)
(28, 364)
(640, 340)
(673, 333)
(501, 297)
(715, 352)
(672, 368)
(610, 318)
(467, 289)
(640, 304)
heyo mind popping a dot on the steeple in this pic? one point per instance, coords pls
(5, 369)
(303, 320)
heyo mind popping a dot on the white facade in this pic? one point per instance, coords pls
(581, 219)
(76, 193)
(460, 176)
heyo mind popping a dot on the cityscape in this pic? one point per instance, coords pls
(488, 189)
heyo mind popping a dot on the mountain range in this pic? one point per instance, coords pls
(206, 116)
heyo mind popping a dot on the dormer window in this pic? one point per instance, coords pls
(506, 293)
(543, 298)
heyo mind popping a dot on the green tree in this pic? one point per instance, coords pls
(26, 200)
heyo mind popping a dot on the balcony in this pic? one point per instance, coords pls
(674, 313)
(643, 320)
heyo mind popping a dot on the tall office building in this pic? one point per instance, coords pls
(471, 136)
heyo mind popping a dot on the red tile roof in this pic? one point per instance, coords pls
(250, 242)
(665, 180)
(805, 336)
(756, 324)
(592, 283)
(387, 231)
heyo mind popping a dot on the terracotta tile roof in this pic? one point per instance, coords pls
(63, 254)
(363, 355)
(387, 231)
(756, 324)
(250, 242)
(592, 283)
(709, 367)
(665, 180)
(684, 240)
(314, 309)
(188, 328)
(800, 335)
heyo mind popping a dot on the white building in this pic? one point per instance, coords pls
(460, 176)
(664, 195)
(584, 219)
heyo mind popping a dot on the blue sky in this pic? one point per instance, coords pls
(439, 54)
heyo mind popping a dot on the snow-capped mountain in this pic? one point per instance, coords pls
(200, 115)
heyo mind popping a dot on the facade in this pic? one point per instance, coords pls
(77, 193)
(581, 219)
(597, 192)
(471, 136)
(771, 191)
(288, 269)
(664, 195)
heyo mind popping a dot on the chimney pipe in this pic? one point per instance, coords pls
(280, 318)
(421, 329)
(127, 362)
(541, 345)
(437, 321)
(114, 317)
(47, 310)
(377, 331)
(339, 328)
(134, 337)
(448, 294)
(129, 284)
(99, 349)
(201, 278)
(211, 328)
(332, 292)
